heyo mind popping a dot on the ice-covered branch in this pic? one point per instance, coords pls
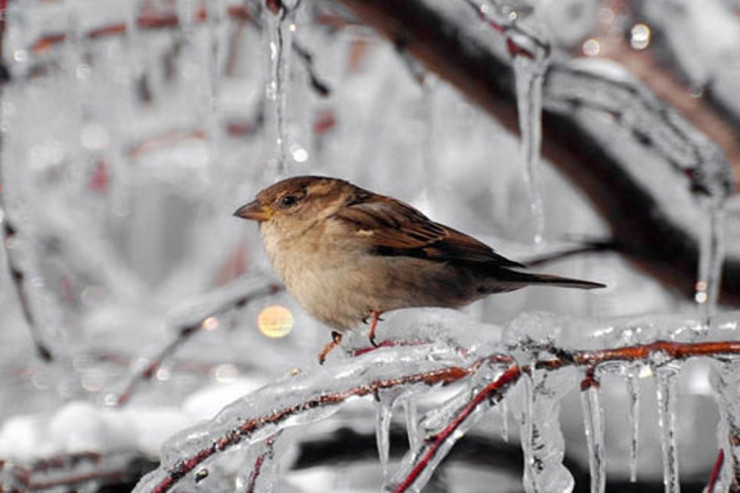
(603, 149)
(298, 401)
(486, 377)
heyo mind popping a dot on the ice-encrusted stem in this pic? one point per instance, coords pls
(529, 73)
(261, 476)
(447, 425)
(279, 24)
(665, 381)
(593, 424)
(633, 392)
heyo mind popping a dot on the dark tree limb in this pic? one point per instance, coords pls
(436, 35)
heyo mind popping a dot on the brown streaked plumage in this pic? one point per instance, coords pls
(347, 254)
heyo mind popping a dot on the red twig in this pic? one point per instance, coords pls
(494, 390)
(716, 469)
(147, 20)
(268, 455)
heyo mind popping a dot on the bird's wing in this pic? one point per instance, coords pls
(395, 228)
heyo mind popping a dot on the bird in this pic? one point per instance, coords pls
(348, 255)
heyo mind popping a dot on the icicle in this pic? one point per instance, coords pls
(428, 143)
(526, 428)
(384, 415)
(633, 389)
(529, 74)
(215, 14)
(411, 414)
(541, 436)
(665, 380)
(711, 259)
(504, 409)
(593, 421)
(279, 27)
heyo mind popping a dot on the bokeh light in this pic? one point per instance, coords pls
(275, 321)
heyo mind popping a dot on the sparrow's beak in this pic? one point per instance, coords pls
(254, 211)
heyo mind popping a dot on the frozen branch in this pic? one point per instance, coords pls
(589, 144)
(488, 378)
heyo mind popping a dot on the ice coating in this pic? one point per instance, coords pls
(301, 400)
(542, 438)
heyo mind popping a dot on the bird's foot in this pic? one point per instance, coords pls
(374, 319)
(336, 340)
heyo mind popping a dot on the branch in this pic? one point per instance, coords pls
(447, 38)
(312, 397)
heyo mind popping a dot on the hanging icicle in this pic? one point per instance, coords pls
(279, 26)
(529, 74)
(593, 420)
(665, 381)
(633, 392)
(711, 251)
(384, 416)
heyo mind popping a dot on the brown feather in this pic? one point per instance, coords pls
(397, 229)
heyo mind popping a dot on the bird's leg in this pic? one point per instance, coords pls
(374, 319)
(336, 339)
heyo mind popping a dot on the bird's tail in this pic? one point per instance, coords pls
(524, 278)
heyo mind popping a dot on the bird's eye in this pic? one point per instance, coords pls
(288, 200)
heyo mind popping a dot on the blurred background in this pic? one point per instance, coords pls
(131, 131)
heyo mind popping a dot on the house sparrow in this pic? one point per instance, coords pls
(348, 254)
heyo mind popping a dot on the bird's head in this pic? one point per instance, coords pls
(295, 201)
